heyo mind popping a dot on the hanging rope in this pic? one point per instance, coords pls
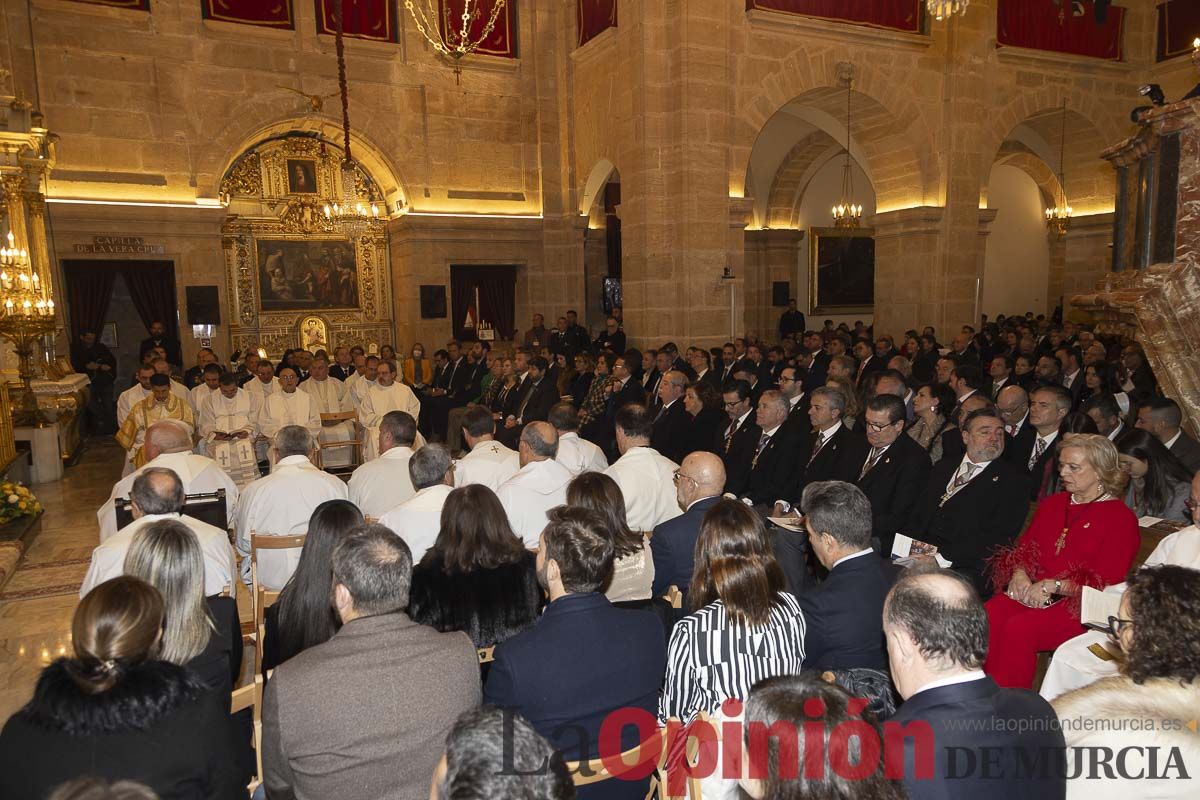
(339, 43)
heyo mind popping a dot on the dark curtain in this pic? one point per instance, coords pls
(612, 244)
(1035, 24)
(1178, 25)
(593, 17)
(497, 298)
(152, 287)
(89, 290)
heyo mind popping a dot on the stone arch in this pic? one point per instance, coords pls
(795, 172)
(599, 176)
(1014, 154)
(896, 147)
(1049, 99)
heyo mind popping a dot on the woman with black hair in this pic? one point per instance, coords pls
(1159, 484)
(932, 406)
(303, 616)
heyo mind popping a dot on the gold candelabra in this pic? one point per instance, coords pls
(27, 316)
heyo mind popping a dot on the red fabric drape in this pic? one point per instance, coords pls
(594, 17)
(89, 291)
(497, 298)
(1178, 27)
(502, 41)
(261, 13)
(1040, 25)
(152, 287)
(136, 5)
(899, 15)
(362, 19)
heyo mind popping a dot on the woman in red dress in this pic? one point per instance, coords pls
(1085, 536)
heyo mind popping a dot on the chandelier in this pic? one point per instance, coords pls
(440, 31)
(847, 213)
(28, 315)
(1058, 218)
(941, 9)
(350, 214)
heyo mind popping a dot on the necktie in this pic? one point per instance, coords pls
(872, 460)
(661, 411)
(818, 447)
(963, 478)
(525, 402)
(733, 428)
(1039, 447)
(763, 441)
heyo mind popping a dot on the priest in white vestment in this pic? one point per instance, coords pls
(281, 504)
(365, 372)
(177, 388)
(487, 461)
(264, 383)
(646, 477)
(540, 485)
(210, 384)
(289, 406)
(161, 404)
(383, 483)
(388, 394)
(134, 394)
(169, 444)
(418, 520)
(331, 397)
(228, 429)
(576, 454)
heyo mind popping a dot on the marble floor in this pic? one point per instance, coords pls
(37, 602)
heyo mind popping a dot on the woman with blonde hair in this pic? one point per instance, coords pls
(853, 407)
(1084, 536)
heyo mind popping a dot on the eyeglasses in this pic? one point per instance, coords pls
(871, 426)
(787, 380)
(1116, 623)
(733, 404)
(678, 474)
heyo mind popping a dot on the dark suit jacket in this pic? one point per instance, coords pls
(459, 380)
(773, 476)
(706, 431)
(738, 456)
(679, 365)
(894, 486)
(713, 378)
(670, 435)
(968, 717)
(1017, 449)
(843, 615)
(542, 397)
(818, 371)
(1023, 446)
(340, 372)
(841, 459)
(649, 382)
(512, 402)
(799, 423)
(331, 721)
(583, 660)
(673, 546)
(993, 392)
(631, 393)
(924, 366)
(987, 513)
(1187, 450)
(873, 363)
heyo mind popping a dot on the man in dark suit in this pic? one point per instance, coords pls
(671, 420)
(894, 472)
(843, 614)
(698, 487)
(1072, 371)
(534, 403)
(837, 453)
(973, 506)
(343, 364)
(952, 441)
(702, 365)
(777, 453)
(740, 439)
(1000, 369)
(868, 362)
(1013, 404)
(350, 688)
(727, 365)
(985, 739)
(1048, 407)
(566, 684)
(158, 338)
(1163, 418)
(791, 322)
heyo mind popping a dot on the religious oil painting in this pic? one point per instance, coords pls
(302, 176)
(308, 274)
(841, 271)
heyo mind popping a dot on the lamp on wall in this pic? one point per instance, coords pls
(1058, 218)
(847, 213)
(940, 9)
(440, 30)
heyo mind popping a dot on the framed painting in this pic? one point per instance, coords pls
(841, 270)
(307, 274)
(302, 176)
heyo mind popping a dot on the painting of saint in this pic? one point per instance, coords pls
(842, 271)
(314, 274)
(302, 176)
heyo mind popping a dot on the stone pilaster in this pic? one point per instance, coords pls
(908, 284)
(771, 255)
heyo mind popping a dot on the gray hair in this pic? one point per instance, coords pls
(836, 397)
(839, 509)
(545, 446)
(293, 440)
(400, 426)
(774, 397)
(375, 566)
(166, 554)
(158, 490)
(428, 466)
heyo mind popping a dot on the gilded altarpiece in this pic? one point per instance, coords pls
(286, 263)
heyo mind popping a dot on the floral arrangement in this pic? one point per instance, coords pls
(17, 501)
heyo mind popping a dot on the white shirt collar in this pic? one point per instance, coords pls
(962, 677)
(397, 451)
(771, 432)
(1117, 431)
(795, 401)
(294, 461)
(828, 434)
(668, 405)
(1050, 437)
(1171, 442)
(742, 419)
(860, 553)
(981, 465)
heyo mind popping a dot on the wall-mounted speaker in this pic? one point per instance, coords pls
(203, 305)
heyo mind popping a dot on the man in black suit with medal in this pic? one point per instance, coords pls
(777, 453)
(740, 439)
(894, 472)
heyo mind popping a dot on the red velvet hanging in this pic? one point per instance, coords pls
(362, 19)
(897, 15)
(1178, 27)
(594, 17)
(260, 13)
(502, 41)
(1040, 25)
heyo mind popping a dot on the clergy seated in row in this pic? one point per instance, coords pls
(419, 519)
(169, 446)
(487, 461)
(330, 396)
(208, 385)
(228, 428)
(161, 404)
(157, 494)
(177, 388)
(540, 484)
(365, 369)
(383, 483)
(288, 406)
(264, 383)
(387, 394)
(134, 394)
(280, 504)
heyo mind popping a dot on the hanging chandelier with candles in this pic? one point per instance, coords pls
(1058, 218)
(847, 213)
(941, 9)
(27, 316)
(449, 36)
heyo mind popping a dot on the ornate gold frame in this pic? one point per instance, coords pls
(815, 235)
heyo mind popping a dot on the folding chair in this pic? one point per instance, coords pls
(260, 595)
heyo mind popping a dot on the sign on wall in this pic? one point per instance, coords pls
(121, 245)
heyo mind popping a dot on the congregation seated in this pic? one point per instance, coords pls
(1158, 630)
(1083, 536)
(539, 485)
(303, 617)
(332, 725)
(737, 588)
(157, 494)
(281, 503)
(383, 483)
(1159, 485)
(645, 476)
(633, 564)
(1162, 417)
(477, 577)
(699, 483)
(115, 709)
(894, 472)
(937, 640)
(576, 454)
(418, 519)
(584, 658)
(169, 446)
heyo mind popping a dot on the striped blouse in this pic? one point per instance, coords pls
(711, 658)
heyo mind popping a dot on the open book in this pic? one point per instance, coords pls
(905, 548)
(1097, 606)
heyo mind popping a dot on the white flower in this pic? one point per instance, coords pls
(12, 498)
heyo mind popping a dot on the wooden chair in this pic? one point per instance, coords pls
(206, 506)
(487, 654)
(586, 773)
(674, 596)
(357, 443)
(692, 789)
(260, 596)
(251, 696)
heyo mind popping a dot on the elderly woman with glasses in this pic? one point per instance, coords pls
(1084, 536)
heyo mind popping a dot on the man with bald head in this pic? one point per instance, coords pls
(540, 484)
(937, 639)
(1013, 404)
(169, 446)
(699, 482)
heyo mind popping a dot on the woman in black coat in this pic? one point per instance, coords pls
(706, 431)
(478, 577)
(115, 711)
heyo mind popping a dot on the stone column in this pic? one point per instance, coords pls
(908, 282)
(771, 255)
